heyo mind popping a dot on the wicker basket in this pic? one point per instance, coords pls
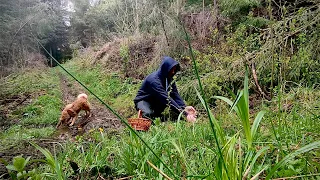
(140, 123)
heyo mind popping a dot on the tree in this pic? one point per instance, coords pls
(24, 18)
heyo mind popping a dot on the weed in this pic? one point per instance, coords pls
(17, 134)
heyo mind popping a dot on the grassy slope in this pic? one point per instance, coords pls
(37, 118)
(187, 149)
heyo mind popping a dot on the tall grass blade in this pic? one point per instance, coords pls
(204, 99)
(217, 126)
(51, 161)
(227, 100)
(246, 89)
(253, 160)
(241, 106)
(49, 158)
(256, 123)
(287, 158)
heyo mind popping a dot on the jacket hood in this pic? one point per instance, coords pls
(167, 64)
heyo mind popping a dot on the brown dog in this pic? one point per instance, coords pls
(71, 111)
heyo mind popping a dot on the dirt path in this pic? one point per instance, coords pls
(101, 117)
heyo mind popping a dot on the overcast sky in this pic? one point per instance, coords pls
(68, 6)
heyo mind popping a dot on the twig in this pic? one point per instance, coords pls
(246, 173)
(164, 29)
(101, 177)
(129, 177)
(154, 167)
(257, 175)
(255, 77)
(3, 175)
(22, 101)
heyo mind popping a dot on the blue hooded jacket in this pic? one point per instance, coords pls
(156, 86)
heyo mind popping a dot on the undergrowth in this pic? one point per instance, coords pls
(246, 137)
(36, 117)
(189, 149)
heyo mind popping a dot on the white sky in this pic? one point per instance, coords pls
(69, 7)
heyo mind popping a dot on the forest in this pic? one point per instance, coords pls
(250, 68)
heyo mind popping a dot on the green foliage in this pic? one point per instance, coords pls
(17, 169)
(289, 157)
(52, 162)
(241, 106)
(97, 157)
(124, 103)
(124, 54)
(302, 67)
(21, 18)
(28, 82)
(255, 21)
(188, 149)
(236, 166)
(198, 2)
(237, 8)
(110, 87)
(18, 134)
(44, 109)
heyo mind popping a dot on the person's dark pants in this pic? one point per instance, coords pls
(145, 107)
(149, 113)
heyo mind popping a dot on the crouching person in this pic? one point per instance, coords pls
(158, 91)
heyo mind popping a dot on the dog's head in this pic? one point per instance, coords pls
(82, 95)
(65, 115)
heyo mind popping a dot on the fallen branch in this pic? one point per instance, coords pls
(255, 77)
(22, 101)
(154, 167)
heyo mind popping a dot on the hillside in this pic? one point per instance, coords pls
(254, 64)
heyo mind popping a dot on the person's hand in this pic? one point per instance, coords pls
(191, 118)
(191, 114)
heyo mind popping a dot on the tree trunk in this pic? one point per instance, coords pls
(50, 58)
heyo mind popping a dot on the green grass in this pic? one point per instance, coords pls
(189, 150)
(129, 156)
(111, 88)
(29, 81)
(45, 110)
(37, 118)
(17, 134)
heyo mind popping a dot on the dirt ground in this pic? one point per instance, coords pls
(100, 117)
